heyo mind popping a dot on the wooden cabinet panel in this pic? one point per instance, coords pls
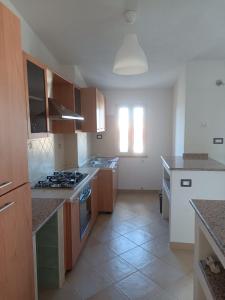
(107, 189)
(13, 132)
(72, 240)
(63, 93)
(16, 255)
(94, 200)
(93, 110)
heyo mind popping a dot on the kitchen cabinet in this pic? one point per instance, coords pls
(13, 134)
(107, 189)
(16, 256)
(72, 242)
(62, 91)
(94, 200)
(93, 110)
(37, 100)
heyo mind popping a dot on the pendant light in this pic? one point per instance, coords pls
(130, 59)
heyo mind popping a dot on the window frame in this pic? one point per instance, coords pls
(131, 153)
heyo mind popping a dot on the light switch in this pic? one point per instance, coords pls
(186, 182)
(218, 141)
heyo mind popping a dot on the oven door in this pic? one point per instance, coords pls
(85, 209)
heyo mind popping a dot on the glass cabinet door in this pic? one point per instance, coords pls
(37, 98)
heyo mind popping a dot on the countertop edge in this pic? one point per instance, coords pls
(206, 225)
(49, 216)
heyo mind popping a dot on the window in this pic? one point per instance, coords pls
(131, 130)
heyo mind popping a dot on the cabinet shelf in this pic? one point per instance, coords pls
(213, 284)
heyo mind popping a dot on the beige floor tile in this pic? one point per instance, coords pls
(124, 228)
(161, 273)
(139, 221)
(139, 236)
(101, 234)
(111, 293)
(87, 282)
(136, 286)
(98, 254)
(158, 246)
(183, 288)
(138, 257)
(116, 269)
(60, 294)
(121, 245)
(182, 260)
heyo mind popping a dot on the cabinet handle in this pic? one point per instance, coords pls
(6, 206)
(5, 184)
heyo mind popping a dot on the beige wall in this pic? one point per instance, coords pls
(138, 173)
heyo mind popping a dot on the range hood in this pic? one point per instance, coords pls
(60, 112)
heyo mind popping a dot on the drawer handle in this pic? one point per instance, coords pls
(5, 184)
(6, 206)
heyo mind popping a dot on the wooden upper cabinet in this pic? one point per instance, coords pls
(16, 254)
(93, 110)
(37, 101)
(13, 124)
(62, 91)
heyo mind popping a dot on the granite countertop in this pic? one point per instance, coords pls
(179, 163)
(67, 194)
(42, 210)
(212, 214)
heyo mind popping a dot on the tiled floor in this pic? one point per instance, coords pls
(127, 257)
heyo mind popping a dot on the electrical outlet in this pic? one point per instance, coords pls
(186, 183)
(99, 136)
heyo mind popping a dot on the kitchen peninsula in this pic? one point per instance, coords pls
(185, 179)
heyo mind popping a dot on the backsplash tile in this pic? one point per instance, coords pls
(43, 158)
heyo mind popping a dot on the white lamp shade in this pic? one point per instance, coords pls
(130, 59)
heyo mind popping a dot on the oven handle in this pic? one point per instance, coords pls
(85, 197)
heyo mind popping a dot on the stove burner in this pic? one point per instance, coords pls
(63, 179)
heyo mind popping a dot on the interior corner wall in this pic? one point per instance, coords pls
(205, 108)
(179, 102)
(139, 172)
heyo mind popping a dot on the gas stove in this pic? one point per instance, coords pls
(61, 180)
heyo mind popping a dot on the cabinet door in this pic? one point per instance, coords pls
(94, 200)
(16, 255)
(89, 109)
(105, 191)
(115, 185)
(13, 133)
(72, 240)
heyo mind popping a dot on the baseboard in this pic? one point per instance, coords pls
(134, 191)
(181, 246)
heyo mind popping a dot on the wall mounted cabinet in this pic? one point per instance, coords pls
(13, 134)
(63, 93)
(37, 104)
(93, 110)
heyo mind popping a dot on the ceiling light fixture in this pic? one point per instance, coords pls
(130, 59)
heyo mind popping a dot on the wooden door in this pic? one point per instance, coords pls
(13, 133)
(16, 255)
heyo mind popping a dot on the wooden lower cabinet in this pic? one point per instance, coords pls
(107, 189)
(94, 200)
(72, 241)
(16, 254)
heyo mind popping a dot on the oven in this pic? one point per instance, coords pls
(85, 208)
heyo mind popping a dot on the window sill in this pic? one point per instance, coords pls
(132, 156)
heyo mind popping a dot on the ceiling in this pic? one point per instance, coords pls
(89, 33)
